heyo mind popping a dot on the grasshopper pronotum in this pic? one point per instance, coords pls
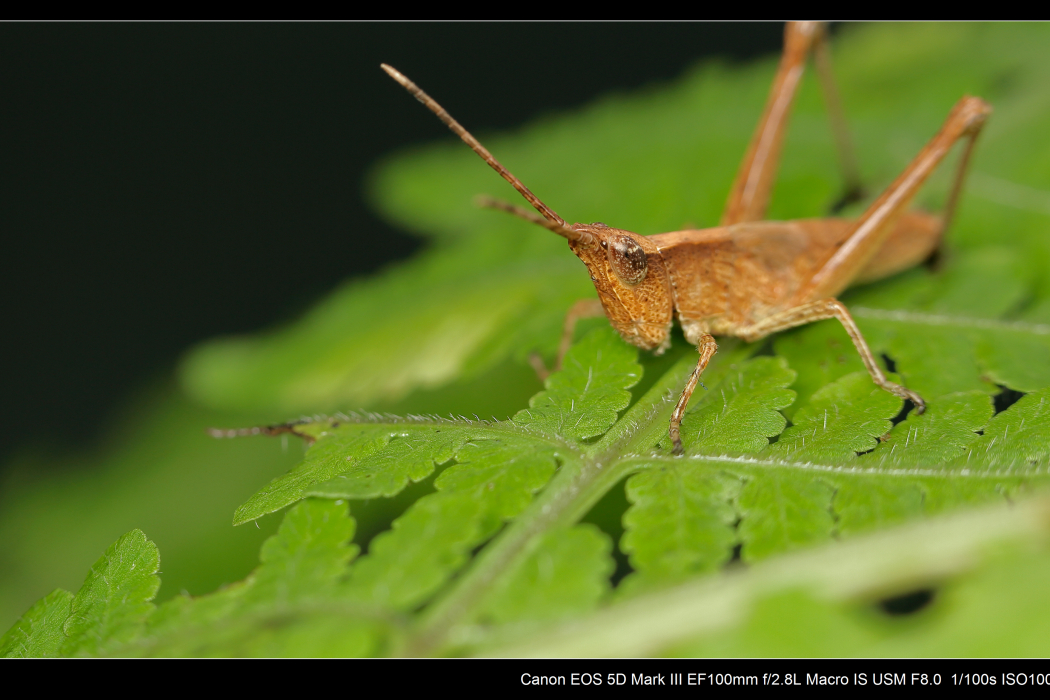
(749, 278)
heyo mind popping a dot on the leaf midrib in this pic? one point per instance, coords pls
(854, 468)
(927, 319)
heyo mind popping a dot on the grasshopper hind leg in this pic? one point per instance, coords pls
(753, 186)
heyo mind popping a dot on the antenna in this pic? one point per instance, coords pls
(586, 239)
(559, 226)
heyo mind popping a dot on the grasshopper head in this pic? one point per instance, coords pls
(627, 269)
(632, 282)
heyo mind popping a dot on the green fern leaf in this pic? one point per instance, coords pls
(583, 401)
(113, 604)
(292, 605)
(565, 575)
(39, 632)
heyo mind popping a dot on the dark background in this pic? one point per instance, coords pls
(164, 183)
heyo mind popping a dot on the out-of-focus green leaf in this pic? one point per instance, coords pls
(352, 350)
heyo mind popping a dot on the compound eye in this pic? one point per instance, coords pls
(627, 259)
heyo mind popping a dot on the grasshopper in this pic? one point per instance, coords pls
(750, 278)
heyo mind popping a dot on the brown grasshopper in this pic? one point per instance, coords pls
(749, 278)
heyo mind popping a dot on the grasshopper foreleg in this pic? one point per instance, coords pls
(584, 308)
(707, 348)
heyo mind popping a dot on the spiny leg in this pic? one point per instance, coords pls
(707, 348)
(871, 230)
(584, 308)
(818, 311)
